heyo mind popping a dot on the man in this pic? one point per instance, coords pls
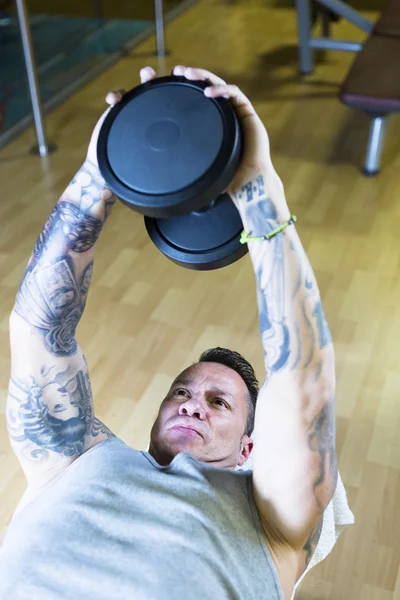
(102, 520)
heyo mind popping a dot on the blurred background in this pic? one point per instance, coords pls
(72, 42)
(146, 318)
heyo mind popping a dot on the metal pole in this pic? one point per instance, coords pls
(43, 148)
(375, 145)
(158, 5)
(325, 23)
(304, 34)
(328, 44)
(350, 14)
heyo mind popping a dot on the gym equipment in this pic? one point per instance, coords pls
(169, 152)
(201, 240)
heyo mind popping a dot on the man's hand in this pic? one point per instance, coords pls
(255, 170)
(112, 99)
(256, 175)
(256, 153)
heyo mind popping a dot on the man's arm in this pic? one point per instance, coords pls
(294, 457)
(49, 410)
(295, 464)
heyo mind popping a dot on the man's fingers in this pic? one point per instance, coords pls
(114, 97)
(195, 74)
(147, 74)
(219, 88)
(241, 103)
(178, 70)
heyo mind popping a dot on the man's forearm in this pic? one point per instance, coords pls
(54, 288)
(295, 334)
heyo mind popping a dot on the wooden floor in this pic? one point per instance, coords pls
(146, 318)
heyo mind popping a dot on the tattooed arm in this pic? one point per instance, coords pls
(50, 416)
(295, 464)
(294, 458)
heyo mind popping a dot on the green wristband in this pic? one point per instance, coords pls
(248, 238)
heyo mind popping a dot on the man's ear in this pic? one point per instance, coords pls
(246, 445)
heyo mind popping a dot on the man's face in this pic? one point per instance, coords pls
(204, 414)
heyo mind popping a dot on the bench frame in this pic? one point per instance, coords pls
(308, 43)
(375, 144)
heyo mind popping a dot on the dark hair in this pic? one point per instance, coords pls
(235, 361)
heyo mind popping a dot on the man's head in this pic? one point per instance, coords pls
(216, 397)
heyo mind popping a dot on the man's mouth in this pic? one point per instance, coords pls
(187, 430)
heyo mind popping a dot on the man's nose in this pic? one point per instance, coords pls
(194, 407)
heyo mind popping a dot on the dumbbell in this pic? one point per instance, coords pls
(169, 152)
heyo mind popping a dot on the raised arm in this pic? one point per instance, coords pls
(50, 416)
(294, 458)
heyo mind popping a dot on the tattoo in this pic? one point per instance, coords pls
(66, 222)
(322, 438)
(293, 327)
(98, 427)
(51, 300)
(323, 329)
(75, 217)
(86, 278)
(80, 231)
(274, 335)
(53, 291)
(53, 415)
(44, 237)
(291, 314)
(312, 541)
(307, 325)
(271, 290)
(253, 189)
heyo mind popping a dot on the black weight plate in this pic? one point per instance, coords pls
(203, 240)
(166, 149)
(167, 131)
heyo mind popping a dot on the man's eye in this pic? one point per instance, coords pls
(222, 402)
(180, 392)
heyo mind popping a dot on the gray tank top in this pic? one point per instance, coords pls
(118, 525)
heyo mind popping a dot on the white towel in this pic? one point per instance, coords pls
(337, 517)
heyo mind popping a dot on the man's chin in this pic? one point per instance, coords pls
(180, 444)
(183, 443)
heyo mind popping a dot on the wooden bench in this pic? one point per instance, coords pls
(373, 82)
